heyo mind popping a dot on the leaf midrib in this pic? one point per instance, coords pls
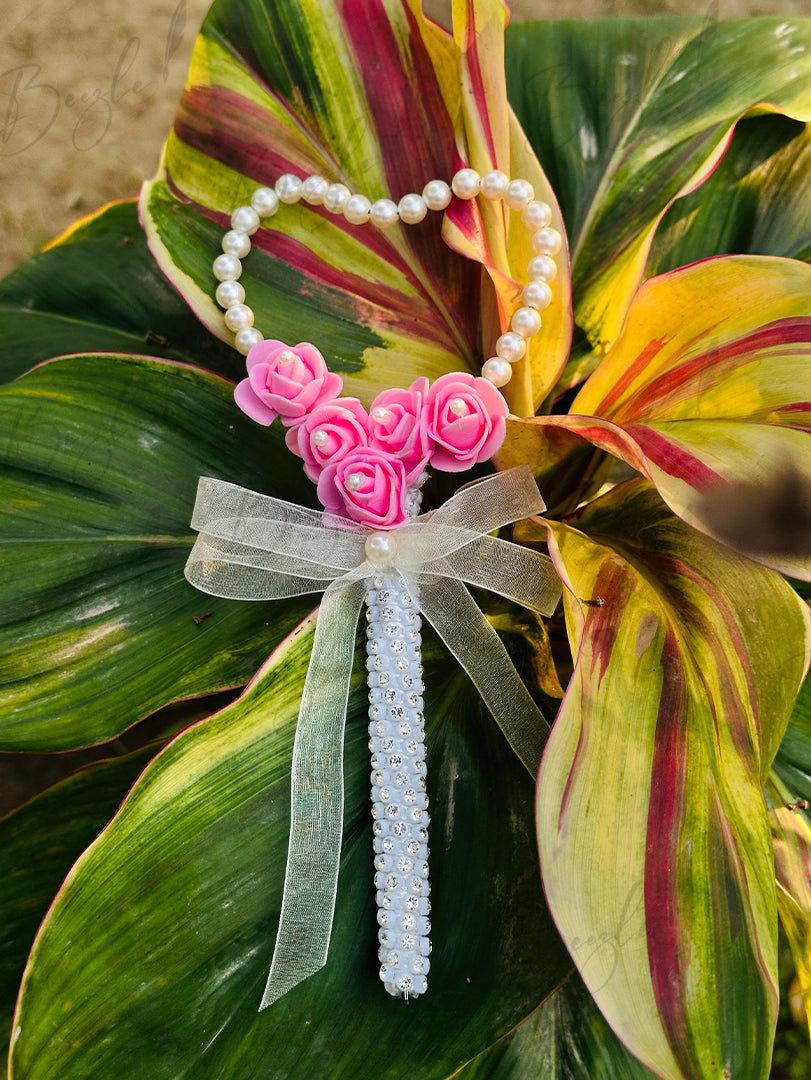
(86, 324)
(611, 167)
(176, 541)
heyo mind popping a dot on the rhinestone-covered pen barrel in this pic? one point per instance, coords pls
(399, 799)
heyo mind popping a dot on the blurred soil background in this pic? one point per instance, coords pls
(88, 89)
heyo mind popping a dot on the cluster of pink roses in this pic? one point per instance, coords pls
(364, 463)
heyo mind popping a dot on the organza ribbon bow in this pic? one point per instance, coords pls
(254, 547)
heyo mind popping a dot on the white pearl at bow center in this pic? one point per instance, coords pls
(381, 549)
(412, 208)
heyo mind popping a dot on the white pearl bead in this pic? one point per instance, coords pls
(236, 243)
(546, 241)
(336, 197)
(320, 437)
(466, 184)
(537, 215)
(246, 339)
(511, 347)
(357, 209)
(313, 189)
(497, 371)
(380, 548)
(287, 356)
(239, 317)
(265, 202)
(437, 194)
(457, 406)
(226, 268)
(542, 268)
(537, 294)
(354, 481)
(412, 209)
(494, 184)
(288, 188)
(380, 414)
(518, 194)
(526, 321)
(384, 213)
(245, 219)
(229, 293)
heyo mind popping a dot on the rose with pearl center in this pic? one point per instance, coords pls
(398, 426)
(466, 419)
(367, 486)
(285, 382)
(328, 433)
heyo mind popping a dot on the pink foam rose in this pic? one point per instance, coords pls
(286, 381)
(328, 433)
(398, 424)
(466, 419)
(375, 494)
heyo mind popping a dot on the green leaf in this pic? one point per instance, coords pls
(756, 201)
(789, 784)
(793, 760)
(98, 289)
(565, 1039)
(349, 93)
(40, 841)
(626, 115)
(791, 835)
(791, 828)
(152, 961)
(99, 471)
(658, 868)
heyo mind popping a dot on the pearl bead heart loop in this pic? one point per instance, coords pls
(383, 213)
(399, 798)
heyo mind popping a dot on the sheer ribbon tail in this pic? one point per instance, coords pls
(462, 625)
(317, 796)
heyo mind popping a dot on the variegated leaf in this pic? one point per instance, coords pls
(757, 201)
(99, 469)
(628, 115)
(707, 392)
(490, 137)
(359, 94)
(653, 834)
(152, 958)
